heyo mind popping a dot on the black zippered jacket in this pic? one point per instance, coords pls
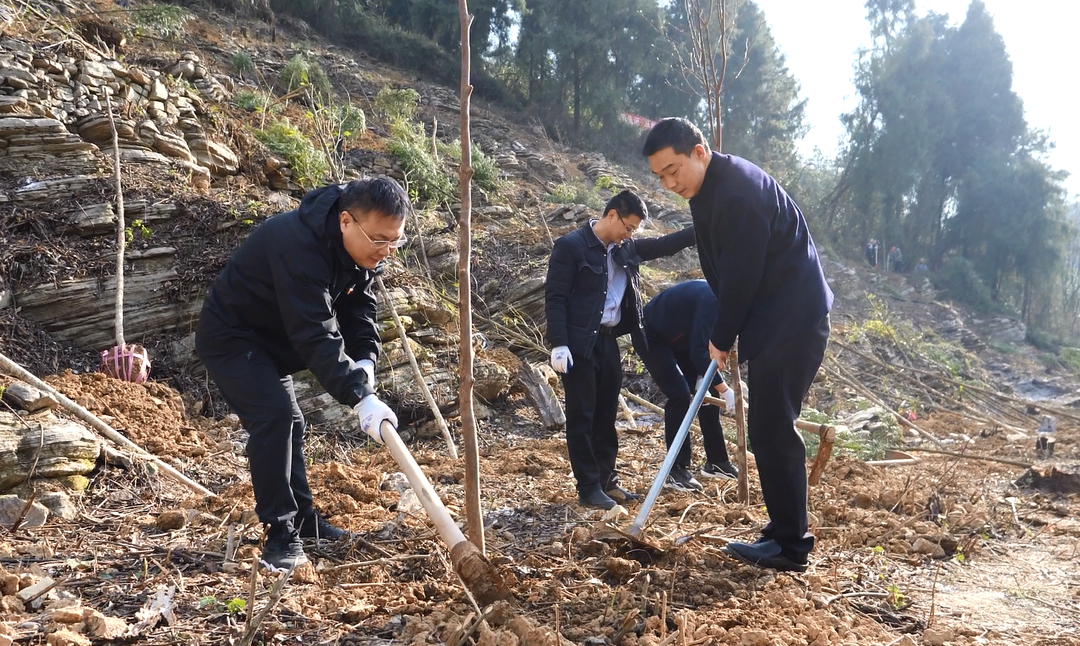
(292, 290)
(577, 284)
(758, 256)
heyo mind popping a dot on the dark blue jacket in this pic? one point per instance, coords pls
(292, 290)
(682, 316)
(577, 283)
(757, 254)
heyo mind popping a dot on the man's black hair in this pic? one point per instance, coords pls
(627, 203)
(380, 195)
(676, 133)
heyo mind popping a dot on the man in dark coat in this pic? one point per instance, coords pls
(296, 294)
(678, 322)
(592, 297)
(758, 257)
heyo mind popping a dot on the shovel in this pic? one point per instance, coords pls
(481, 577)
(673, 451)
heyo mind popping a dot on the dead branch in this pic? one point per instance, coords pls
(416, 370)
(973, 456)
(874, 398)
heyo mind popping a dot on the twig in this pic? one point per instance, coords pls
(848, 595)
(973, 456)
(381, 561)
(933, 596)
(416, 371)
(276, 592)
(476, 624)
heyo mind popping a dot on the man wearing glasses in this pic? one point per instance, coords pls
(296, 294)
(592, 297)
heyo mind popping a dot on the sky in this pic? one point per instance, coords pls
(820, 39)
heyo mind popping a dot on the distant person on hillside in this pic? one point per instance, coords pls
(675, 351)
(760, 261)
(872, 253)
(921, 267)
(296, 294)
(592, 297)
(896, 260)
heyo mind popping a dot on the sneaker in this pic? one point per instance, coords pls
(317, 527)
(680, 479)
(620, 495)
(284, 549)
(596, 499)
(724, 470)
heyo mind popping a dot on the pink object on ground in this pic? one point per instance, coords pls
(127, 362)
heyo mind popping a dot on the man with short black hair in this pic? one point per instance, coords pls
(759, 259)
(296, 294)
(592, 297)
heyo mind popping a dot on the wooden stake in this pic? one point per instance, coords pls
(416, 370)
(740, 426)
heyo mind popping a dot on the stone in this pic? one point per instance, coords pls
(184, 68)
(28, 398)
(754, 638)
(101, 627)
(17, 77)
(138, 76)
(97, 70)
(492, 380)
(158, 91)
(172, 145)
(96, 129)
(172, 519)
(11, 507)
(60, 505)
(65, 637)
(68, 615)
(929, 548)
(214, 156)
(35, 590)
(13, 105)
(937, 635)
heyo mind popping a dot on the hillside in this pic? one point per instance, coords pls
(938, 549)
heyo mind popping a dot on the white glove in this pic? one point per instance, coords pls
(729, 400)
(561, 360)
(372, 412)
(369, 367)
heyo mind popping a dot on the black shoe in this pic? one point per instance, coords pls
(315, 526)
(680, 479)
(723, 470)
(597, 499)
(284, 549)
(618, 494)
(767, 553)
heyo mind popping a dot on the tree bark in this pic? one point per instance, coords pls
(468, 415)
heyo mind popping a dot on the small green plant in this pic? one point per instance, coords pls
(302, 72)
(255, 101)
(426, 179)
(236, 605)
(243, 63)
(309, 165)
(161, 20)
(350, 121)
(136, 226)
(485, 169)
(209, 602)
(896, 598)
(605, 182)
(393, 104)
(575, 193)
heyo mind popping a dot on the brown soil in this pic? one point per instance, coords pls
(1006, 576)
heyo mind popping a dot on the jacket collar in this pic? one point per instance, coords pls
(591, 238)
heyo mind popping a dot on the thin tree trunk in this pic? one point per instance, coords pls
(121, 227)
(465, 379)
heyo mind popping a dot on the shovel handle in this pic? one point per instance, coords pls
(444, 523)
(673, 450)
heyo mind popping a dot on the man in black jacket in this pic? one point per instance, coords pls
(298, 293)
(677, 323)
(593, 296)
(758, 257)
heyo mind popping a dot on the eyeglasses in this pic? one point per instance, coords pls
(379, 244)
(629, 230)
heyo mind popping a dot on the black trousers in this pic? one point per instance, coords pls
(592, 401)
(266, 404)
(672, 368)
(779, 378)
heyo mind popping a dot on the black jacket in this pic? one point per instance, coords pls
(577, 283)
(292, 290)
(757, 254)
(682, 316)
